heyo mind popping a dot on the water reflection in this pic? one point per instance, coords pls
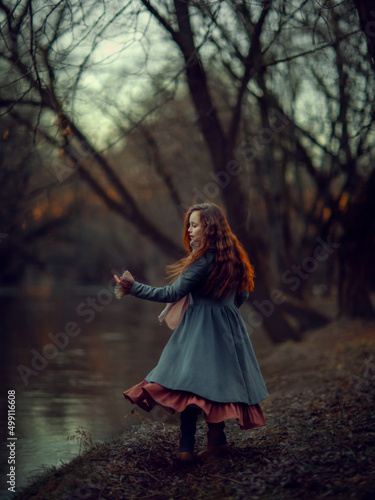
(82, 382)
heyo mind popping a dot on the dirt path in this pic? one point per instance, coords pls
(319, 442)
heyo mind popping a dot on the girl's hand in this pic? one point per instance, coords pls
(123, 284)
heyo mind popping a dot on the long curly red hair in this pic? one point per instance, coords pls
(232, 268)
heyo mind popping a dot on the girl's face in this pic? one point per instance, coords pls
(195, 226)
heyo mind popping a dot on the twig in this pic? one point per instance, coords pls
(228, 479)
(101, 491)
(147, 472)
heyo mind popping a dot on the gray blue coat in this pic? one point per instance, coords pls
(209, 353)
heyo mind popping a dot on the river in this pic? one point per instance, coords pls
(69, 357)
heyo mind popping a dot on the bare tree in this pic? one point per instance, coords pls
(260, 146)
(24, 226)
(32, 33)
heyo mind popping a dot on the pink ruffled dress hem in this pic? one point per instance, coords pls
(146, 395)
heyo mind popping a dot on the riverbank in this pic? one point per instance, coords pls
(318, 442)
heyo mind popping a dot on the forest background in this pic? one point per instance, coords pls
(117, 116)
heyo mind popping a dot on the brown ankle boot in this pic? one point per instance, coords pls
(186, 457)
(213, 451)
(216, 441)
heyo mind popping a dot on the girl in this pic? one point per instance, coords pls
(208, 363)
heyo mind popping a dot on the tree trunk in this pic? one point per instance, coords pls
(307, 318)
(356, 254)
(268, 312)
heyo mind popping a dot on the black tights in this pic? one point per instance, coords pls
(215, 435)
(188, 426)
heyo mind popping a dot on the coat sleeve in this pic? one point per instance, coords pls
(192, 278)
(241, 298)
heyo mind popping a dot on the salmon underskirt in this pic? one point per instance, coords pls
(146, 395)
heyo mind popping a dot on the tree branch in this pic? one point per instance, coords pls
(307, 52)
(250, 64)
(160, 18)
(160, 167)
